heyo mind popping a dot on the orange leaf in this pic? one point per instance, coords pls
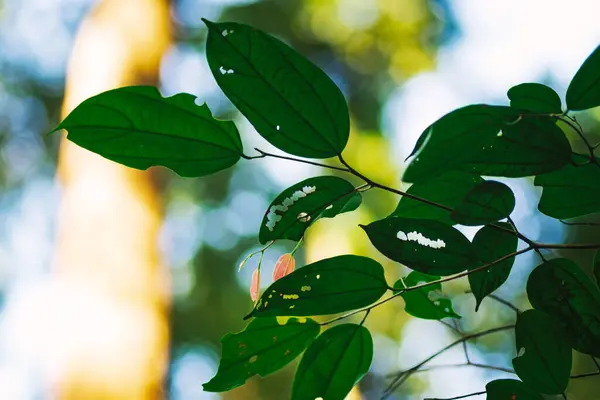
(255, 286)
(284, 266)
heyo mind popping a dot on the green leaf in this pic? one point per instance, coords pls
(265, 346)
(137, 127)
(428, 302)
(289, 100)
(487, 202)
(560, 288)
(447, 189)
(300, 205)
(329, 286)
(491, 244)
(510, 389)
(535, 97)
(427, 246)
(572, 191)
(333, 363)
(544, 353)
(449, 141)
(597, 267)
(584, 90)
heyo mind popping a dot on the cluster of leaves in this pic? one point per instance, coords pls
(296, 107)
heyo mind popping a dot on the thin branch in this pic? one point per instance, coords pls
(595, 363)
(585, 375)
(404, 375)
(567, 246)
(464, 396)
(577, 128)
(505, 302)
(264, 154)
(580, 223)
(462, 365)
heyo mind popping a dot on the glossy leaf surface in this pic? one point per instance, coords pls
(428, 302)
(535, 97)
(584, 90)
(487, 202)
(290, 101)
(328, 286)
(137, 127)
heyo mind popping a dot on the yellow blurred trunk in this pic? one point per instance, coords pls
(109, 220)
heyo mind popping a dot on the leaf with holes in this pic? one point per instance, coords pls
(329, 286)
(560, 288)
(571, 191)
(447, 189)
(544, 353)
(333, 363)
(597, 267)
(137, 127)
(427, 246)
(584, 90)
(535, 97)
(289, 100)
(510, 389)
(487, 202)
(265, 346)
(300, 205)
(452, 139)
(491, 244)
(428, 302)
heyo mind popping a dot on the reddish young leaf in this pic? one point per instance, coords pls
(255, 286)
(284, 266)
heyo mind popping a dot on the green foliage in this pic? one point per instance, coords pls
(296, 107)
(428, 302)
(560, 288)
(489, 201)
(300, 205)
(265, 346)
(334, 363)
(427, 246)
(328, 286)
(137, 127)
(544, 354)
(510, 389)
(491, 244)
(288, 99)
(535, 97)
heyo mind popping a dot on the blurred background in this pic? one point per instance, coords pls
(119, 284)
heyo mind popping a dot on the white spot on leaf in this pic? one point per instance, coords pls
(420, 239)
(273, 217)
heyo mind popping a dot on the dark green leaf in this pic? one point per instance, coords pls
(447, 189)
(584, 90)
(334, 363)
(328, 286)
(266, 345)
(300, 205)
(544, 354)
(530, 147)
(572, 191)
(510, 389)
(424, 245)
(491, 244)
(428, 302)
(487, 202)
(597, 267)
(560, 288)
(449, 141)
(288, 99)
(137, 127)
(535, 97)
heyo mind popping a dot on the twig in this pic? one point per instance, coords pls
(585, 375)
(505, 302)
(264, 154)
(464, 396)
(462, 365)
(580, 223)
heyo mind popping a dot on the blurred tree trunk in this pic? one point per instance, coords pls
(109, 221)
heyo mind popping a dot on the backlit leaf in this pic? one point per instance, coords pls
(427, 246)
(544, 354)
(289, 100)
(284, 266)
(571, 191)
(300, 205)
(492, 244)
(560, 288)
(328, 286)
(255, 285)
(333, 363)
(487, 202)
(584, 90)
(535, 97)
(510, 389)
(137, 127)
(447, 189)
(428, 302)
(265, 346)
